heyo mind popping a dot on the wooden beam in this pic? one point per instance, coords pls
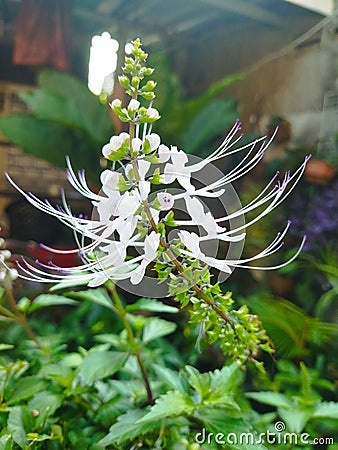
(247, 9)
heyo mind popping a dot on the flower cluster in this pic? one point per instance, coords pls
(128, 232)
(7, 273)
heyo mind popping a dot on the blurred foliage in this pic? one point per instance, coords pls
(64, 119)
(191, 123)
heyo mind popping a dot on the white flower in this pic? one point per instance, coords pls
(104, 241)
(116, 103)
(153, 114)
(178, 170)
(191, 242)
(114, 144)
(166, 200)
(151, 244)
(109, 180)
(136, 144)
(154, 140)
(128, 204)
(163, 153)
(133, 105)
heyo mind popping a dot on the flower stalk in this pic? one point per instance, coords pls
(134, 346)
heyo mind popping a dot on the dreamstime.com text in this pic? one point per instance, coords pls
(277, 437)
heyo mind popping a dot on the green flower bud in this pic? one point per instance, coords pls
(149, 86)
(148, 95)
(135, 81)
(124, 81)
(148, 71)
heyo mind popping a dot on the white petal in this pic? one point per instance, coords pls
(137, 143)
(137, 274)
(109, 180)
(116, 102)
(128, 204)
(133, 105)
(152, 113)
(144, 188)
(100, 279)
(178, 158)
(154, 140)
(151, 244)
(163, 153)
(143, 167)
(191, 241)
(166, 200)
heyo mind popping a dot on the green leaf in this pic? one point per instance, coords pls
(122, 185)
(155, 328)
(326, 409)
(45, 300)
(67, 285)
(98, 296)
(6, 347)
(199, 381)
(35, 134)
(171, 404)
(127, 428)
(6, 442)
(15, 425)
(209, 123)
(217, 420)
(150, 304)
(169, 219)
(80, 106)
(225, 379)
(156, 177)
(270, 398)
(171, 378)
(296, 418)
(25, 389)
(45, 404)
(101, 364)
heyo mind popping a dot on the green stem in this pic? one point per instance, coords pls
(19, 317)
(134, 347)
(173, 258)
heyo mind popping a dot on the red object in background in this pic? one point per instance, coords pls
(42, 35)
(319, 172)
(46, 256)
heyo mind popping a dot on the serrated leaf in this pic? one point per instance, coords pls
(45, 300)
(171, 404)
(155, 328)
(217, 420)
(25, 389)
(126, 428)
(326, 409)
(270, 398)
(225, 379)
(45, 403)
(98, 296)
(295, 419)
(16, 427)
(150, 304)
(171, 378)
(199, 381)
(101, 364)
